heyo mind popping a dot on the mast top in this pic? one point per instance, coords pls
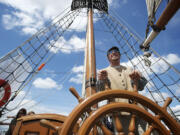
(101, 5)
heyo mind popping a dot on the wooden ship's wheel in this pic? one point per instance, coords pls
(157, 117)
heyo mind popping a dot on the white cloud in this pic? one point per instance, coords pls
(29, 30)
(46, 83)
(75, 44)
(172, 58)
(162, 66)
(6, 19)
(117, 3)
(78, 71)
(155, 95)
(29, 24)
(158, 66)
(30, 15)
(176, 110)
(80, 23)
(77, 79)
(47, 8)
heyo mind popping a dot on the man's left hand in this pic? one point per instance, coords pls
(135, 75)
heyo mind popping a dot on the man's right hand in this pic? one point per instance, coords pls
(102, 75)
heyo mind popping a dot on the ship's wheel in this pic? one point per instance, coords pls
(157, 117)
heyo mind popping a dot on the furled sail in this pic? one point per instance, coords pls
(152, 6)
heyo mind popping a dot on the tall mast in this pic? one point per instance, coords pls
(90, 62)
(89, 82)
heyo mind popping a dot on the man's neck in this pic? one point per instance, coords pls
(114, 64)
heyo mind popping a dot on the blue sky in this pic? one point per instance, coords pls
(48, 91)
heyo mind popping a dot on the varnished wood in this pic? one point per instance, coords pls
(95, 131)
(57, 117)
(105, 130)
(17, 128)
(168, 13)
(49, 124)
(31, 123)
(149, 130)
(172, 7)
(167, 103)
(90, 54)
(119, 107)
(106, 95)
(132, 125)
(90, 133)
(75, 93)
(118, 124)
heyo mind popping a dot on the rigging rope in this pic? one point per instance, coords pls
(20, 65)
(161, 82)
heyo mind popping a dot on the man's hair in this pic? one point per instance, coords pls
(113, 48)
(22, 110)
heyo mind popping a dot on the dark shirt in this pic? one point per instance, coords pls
(11, 127)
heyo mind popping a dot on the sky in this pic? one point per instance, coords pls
(48, 91)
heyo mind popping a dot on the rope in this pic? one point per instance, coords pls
(26, 58)
(129, 45)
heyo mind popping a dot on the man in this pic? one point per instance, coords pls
(120, 77)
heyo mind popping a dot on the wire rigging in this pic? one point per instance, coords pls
(129, 44)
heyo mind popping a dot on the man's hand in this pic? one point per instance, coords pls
(135, 75)
(102, 75)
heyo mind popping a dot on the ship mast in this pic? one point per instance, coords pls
(90, 61)
(90, 58)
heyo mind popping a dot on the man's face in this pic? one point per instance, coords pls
(114, 55)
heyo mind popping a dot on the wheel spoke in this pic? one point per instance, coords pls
(118, 124)
(149, 130)
(132, 126)
(105, 130)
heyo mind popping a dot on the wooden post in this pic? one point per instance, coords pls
(90, 57)
(167, 14)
